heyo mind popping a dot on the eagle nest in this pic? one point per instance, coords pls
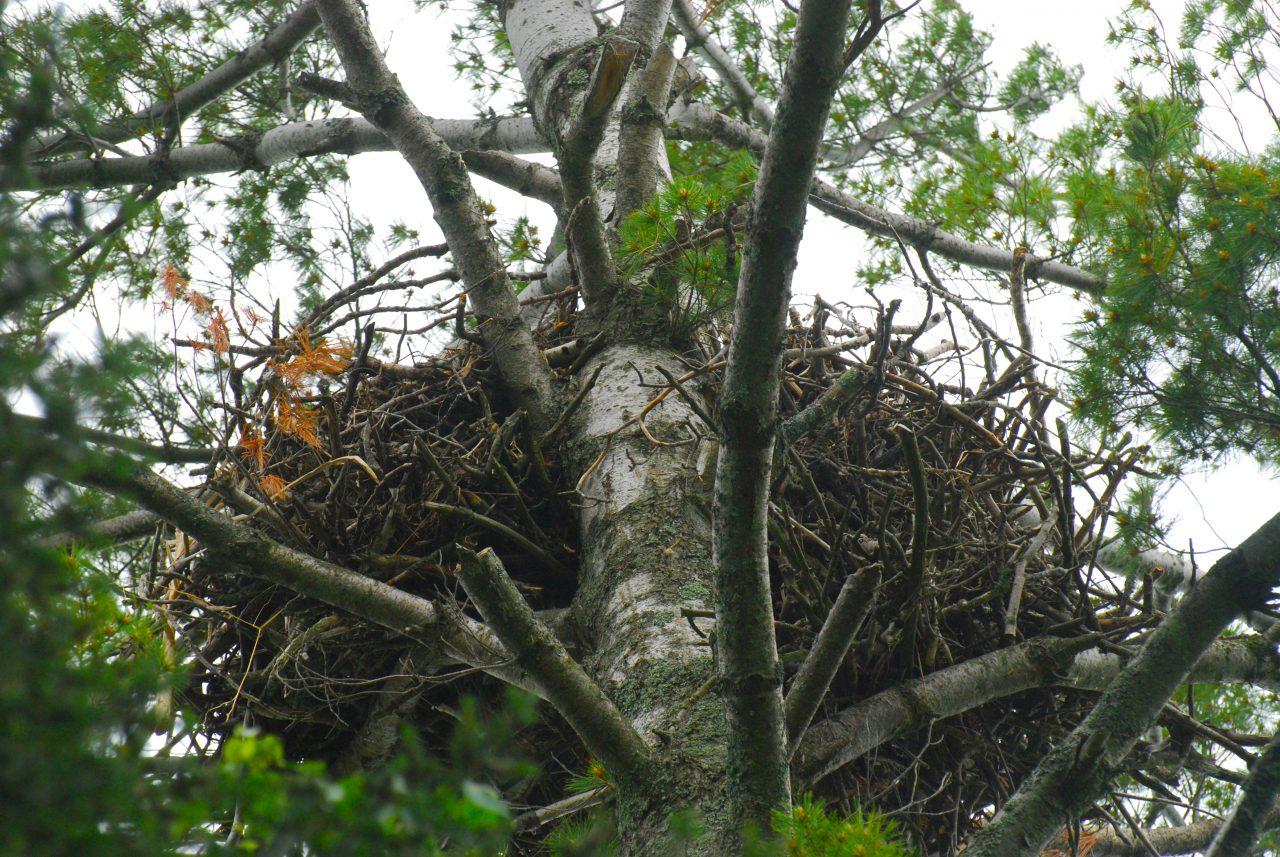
(982, 521)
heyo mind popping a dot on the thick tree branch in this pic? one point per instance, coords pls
(856, 598)
(576, 158)
(643, 21)
(111, 531)
(824, 408)
(1077, 771)
(1249, 817)
(449, 636)
(861, 728)
(697, 121)
(548, 38)
(640, 146)
(124, 443)
(345, 136)
(527, 178)
(255, 554)
(443, 175)
(912, 705)
(1190, 838)
(747, 656)
(277, 44)
(603, 729)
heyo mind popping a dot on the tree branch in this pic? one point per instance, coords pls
(1077, 771)
(344, 136)
(124, 443)
(641, 139)
(527, 178)
(1249, 817)
(277, 44)
(254, 553)
(842, 391)
(644, 21)
(443, 175)
(111, 531)
(856, 598)
(1190, 838)
(697, 122)
(576, 158)
(605, 732)
(250, 552)
(749, 101)
(859, 729)
(747, 655)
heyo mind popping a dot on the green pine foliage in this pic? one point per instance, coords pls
(423, 802)
(1185, 341)
(1184, 344)
(87, 675)
(812, 830)
(684, 242)
(77, 671)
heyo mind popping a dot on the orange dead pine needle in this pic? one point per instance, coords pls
(253, 446)
(218, 332)
(274, 487)
(174, 283)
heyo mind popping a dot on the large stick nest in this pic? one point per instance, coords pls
(455, 466)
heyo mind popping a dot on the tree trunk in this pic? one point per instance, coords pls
(646, 557)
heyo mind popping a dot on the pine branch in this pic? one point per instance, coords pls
(747, 655)
(170, 113)
(699, 122)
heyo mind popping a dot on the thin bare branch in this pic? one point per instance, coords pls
(124, 443)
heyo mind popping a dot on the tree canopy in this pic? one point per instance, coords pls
(562, 520)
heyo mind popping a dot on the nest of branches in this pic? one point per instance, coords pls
(981, 519)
